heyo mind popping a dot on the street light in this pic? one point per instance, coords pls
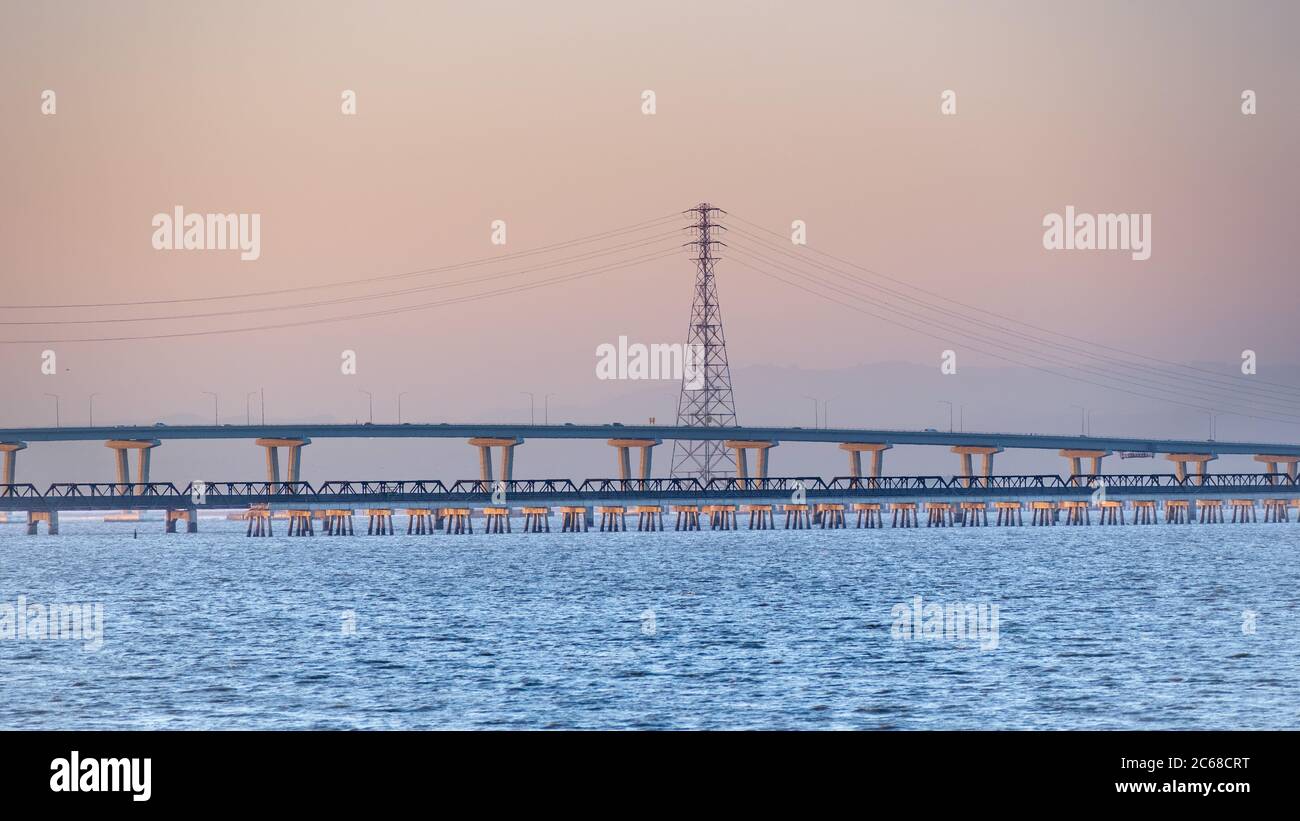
(248, 415)
(92, 409)
(372, 404)
(1083, 419)
(56, 408)
(399, 405)
(961, 418)
(546, 409)
(949, 404)
(1213, 415)
(532, 417)
(216, 419)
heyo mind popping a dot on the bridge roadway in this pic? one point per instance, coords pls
(544, 492)
(618, 431)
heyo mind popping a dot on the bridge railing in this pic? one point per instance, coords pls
(778, 484)
(109, 490)
(19, 491)
(1026, 482)
(399, 487)
(514, 486)
(886, 482)
(661, 485)
(221, 490)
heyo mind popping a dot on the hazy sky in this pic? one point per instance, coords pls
(532, 113)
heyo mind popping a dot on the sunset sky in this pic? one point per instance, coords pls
(532, 114)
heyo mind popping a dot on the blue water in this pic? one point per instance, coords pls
(1137, 627)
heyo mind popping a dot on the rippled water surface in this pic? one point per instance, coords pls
(1137, 627)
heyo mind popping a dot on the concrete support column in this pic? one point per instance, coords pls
(1076, 458)
(624, 451)
(1201, 460)
(50, 517)
(120, 448)
(1275, 464)
(273, 445)
(10, 450)
(856, 449)
(741, 447)
(966, 452)
(485, 445)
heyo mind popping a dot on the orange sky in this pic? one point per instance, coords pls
(530, 113)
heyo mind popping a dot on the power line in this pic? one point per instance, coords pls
(641, 226)
(659, 239)
(1242, 380)
(387, 312)
(924, 332)
(1263, 395)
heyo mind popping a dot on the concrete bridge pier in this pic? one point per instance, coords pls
(273, 446)
(300, 523)
(10, 450)
(574, 519)
(496, 520)
(869, 515)
(1076, 458)
(649, 517)
(188, 515)
(1010, 514)
(856, 449)
(1271, 464)
(966, 452)
(688, 517)
(537, 519)
(624, 446)
(121, 448)
(419, 521)
(50, 517)
(485, 445)
(798, 517)
(1276, 510)
(742, 447)
(1201, 460)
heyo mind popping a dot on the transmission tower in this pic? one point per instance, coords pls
(706, 400)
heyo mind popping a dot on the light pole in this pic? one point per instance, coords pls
(248, 415)
(372, 404)
(399, 405)
(546, 409)
(1213, 415)
(961, 418)
(532, 416)
(949, 404)
(1083, 419)
(92, 409)
(216, 419)
(1091, 411)
(263, 392)
(56, 408)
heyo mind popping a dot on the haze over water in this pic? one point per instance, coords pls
(1100, 627)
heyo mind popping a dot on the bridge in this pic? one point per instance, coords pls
(957, 498)
(506, 438)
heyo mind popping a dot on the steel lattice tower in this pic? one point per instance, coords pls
(710, 402)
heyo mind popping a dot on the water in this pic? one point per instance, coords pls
(1137, 627)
